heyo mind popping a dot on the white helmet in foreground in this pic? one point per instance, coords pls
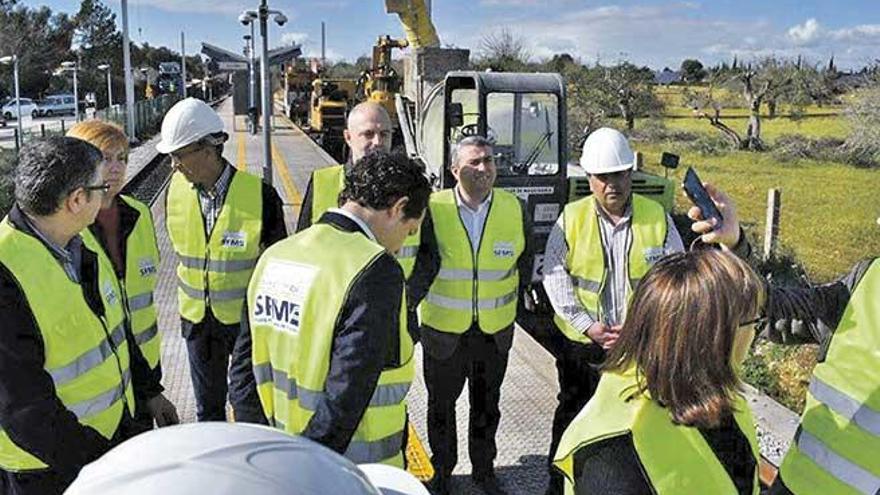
(606, 151)
(188, 121)
(222, 459)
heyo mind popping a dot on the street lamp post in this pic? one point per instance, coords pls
(106, 68)
(248, 17)
(13, 59)
(72, 67)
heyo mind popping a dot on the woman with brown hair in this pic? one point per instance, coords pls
(124, 228)
(668, 416)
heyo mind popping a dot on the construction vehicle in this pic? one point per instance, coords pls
(381, 83)
(330, 101)
(298, 80)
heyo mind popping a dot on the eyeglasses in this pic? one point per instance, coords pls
(104, 188)
(177, 156)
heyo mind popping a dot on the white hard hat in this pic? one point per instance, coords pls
(221, 459)
(393, 481)
(186, 122)
(606, 151)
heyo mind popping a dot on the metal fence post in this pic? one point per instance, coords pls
(62, 127)
(17, 140)
(42, 130)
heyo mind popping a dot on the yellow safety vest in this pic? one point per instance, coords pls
(676, 458)
(327, 184)
(837, 446)
(294, 301)
(85, 354)
(215, 271)
(141, 273)
(586, 253)
(475, 285)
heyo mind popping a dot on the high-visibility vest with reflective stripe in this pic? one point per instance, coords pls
(215, 271)
(837, 446)
(474, 286)
(85, 354)
(294, 301)
(327, 183)
(586, 253)
(676, 458)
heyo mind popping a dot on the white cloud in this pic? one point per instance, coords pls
(294, 38)
(200, 6)
(805, 34)
(863, 34)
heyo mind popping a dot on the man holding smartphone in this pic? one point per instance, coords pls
(597, 252)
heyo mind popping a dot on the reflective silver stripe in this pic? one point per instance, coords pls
(587, 285)
(465, 304)
(361, 452)
(841, 468)
(140, 301)
(384, 395)
(101, 403)
(189, 290)
(263, 373)
(216, 296)
(408, 252)
(190, 262)
(844, 405)
(228, 295)
(485, 275)
(147, 335)
(389, 395)
(89, 359)
(222, 266)
(498, 302)
(226, 266)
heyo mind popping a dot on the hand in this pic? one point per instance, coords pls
(603, 335)
(728, 234)
(163, 411)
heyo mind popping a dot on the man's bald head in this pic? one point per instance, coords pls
(369, 129)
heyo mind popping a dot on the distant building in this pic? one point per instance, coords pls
(667, 76)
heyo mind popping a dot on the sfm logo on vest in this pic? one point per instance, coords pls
(146, 267)
(281, 294)
(503, 249)
(234, 240)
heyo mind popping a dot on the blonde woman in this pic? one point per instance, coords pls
(668, 416)
(124, 229)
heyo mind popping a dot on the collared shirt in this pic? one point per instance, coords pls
(354, 218)
(70, 256)
(211, 200)
(473, 220)
(616, 240)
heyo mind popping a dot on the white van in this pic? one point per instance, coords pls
(57, 105)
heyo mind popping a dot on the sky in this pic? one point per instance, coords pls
(657, 33)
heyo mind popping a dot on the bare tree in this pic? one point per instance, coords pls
(503, 51)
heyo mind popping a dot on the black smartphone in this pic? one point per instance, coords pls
(694, 189)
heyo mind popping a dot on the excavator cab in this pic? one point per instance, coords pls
(523, 115)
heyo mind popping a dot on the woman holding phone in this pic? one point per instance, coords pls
(668, 416)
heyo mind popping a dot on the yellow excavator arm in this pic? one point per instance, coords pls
(417, 25)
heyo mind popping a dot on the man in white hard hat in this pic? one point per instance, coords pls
(219, 220)
(598, 250)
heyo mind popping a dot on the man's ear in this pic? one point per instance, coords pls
(75, 201)
(398, 206)
(347, 135)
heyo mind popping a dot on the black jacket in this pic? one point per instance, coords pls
(365, 342)
(30, 411)
(439, 344)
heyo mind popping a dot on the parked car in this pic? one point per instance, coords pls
(28, 107)
(57, 105)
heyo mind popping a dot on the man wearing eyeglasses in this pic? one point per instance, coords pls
(597, 252)
(68, 367)
(219, 220)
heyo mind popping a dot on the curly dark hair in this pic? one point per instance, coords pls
(379, 179)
